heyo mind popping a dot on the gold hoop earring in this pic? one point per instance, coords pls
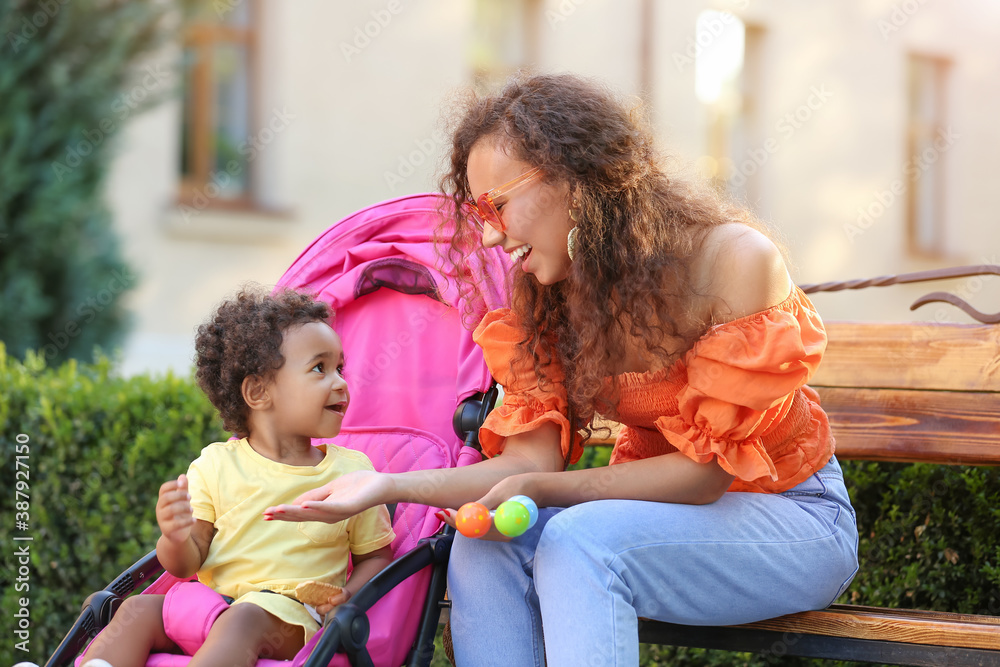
(571, 243)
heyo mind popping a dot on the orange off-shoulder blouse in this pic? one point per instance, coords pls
(739, 395)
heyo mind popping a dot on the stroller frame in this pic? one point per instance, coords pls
(345, 630)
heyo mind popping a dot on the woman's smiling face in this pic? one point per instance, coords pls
(536, 214)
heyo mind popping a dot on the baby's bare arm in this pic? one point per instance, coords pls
(366, 566)
(183, 546)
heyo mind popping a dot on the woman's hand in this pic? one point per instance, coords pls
(516, 485)
(526, 484)
(494, 535)
(341, 499)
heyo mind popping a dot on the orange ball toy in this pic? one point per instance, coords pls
(473, 520)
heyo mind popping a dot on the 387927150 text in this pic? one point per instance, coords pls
(22, 541)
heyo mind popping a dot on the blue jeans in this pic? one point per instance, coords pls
(570, 590)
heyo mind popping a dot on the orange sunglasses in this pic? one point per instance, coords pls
(485, 211)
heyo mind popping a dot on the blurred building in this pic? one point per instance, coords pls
(864, 131)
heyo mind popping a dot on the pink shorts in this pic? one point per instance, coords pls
(189, 610)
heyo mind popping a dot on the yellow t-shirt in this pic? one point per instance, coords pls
(231, 485)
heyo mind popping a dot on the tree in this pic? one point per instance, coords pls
(71, 76)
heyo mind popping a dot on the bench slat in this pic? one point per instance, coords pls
(920, 613)
(906, 426)
(914, 426)
(776, 645)
(934, 629)
(955, 357)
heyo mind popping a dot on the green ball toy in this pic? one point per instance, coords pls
(512, 518)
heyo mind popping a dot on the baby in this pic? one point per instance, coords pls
(274, 369)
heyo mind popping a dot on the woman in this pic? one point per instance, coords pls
(639, 298)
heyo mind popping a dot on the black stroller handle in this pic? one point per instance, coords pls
(471, 413)
(86, 626)
(99, 607)
(141, 571)
(347, 630)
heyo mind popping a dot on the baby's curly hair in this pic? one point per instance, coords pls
(244, 338)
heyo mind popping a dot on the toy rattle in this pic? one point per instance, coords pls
(512, 518)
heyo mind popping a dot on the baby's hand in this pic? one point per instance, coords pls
(173, 510)
(333, 602)
(321, 596)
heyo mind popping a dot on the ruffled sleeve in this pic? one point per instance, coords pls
(742, 392)
(525, 405)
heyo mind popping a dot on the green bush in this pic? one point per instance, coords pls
(928, 536)
(99, 447)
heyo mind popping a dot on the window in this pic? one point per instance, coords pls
(720, 37)
(217, 99)
(751, 147)
(506, 40)
(729, 82)
(927, 141)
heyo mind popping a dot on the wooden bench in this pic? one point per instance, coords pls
(917, 392)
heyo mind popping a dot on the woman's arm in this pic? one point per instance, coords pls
(535, 452)
(739, 265)
(670, 478)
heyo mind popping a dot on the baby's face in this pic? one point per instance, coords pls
(310, 393)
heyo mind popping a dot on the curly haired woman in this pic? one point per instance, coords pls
(639, 298)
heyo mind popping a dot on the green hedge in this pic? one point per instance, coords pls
(100, 446)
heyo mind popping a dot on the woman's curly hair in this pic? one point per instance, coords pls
(638, 230)
(244, 338)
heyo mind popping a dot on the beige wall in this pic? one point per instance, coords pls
(358, 128)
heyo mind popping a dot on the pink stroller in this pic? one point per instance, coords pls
(416, 379)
